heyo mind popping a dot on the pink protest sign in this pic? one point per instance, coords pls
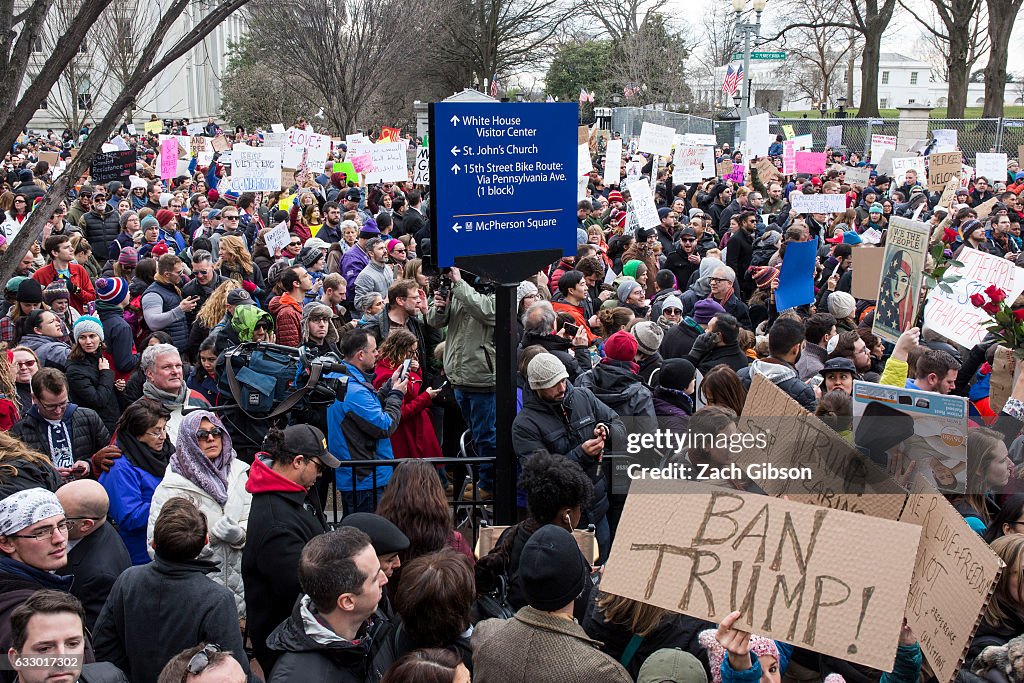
(738, 173)
(810, 162)
(362, 163)
(169, 158)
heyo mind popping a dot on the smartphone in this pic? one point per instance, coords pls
(571, 329)
(406, 365)
(443, 384)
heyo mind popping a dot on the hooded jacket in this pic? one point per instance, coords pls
(310, 652)
(52, 352)
(287, 314)
(88, 434)
(18, 581)
(470, 317)
(282, 518)
(784, 376)
(615, 384)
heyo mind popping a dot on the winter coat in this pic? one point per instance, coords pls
(156, 611)
(679, 264)
(575, 360)
(90, 387)
(563, 429)
(470, 318)
(426, 338)
(620, 388)
(647, 257)
(738, 257)
(227, 556)
(310, 652)
(415, 436)
(361, 428)
(30, 475)
(811, 361)
(79, 278)
(18, 581)
(282, 518)
(160, 306)
(119, 340)
(95, 563)
(130, 490)
(784, 376)
(538, 647)
(732, 356)
(679, 338)
(88, 434)
(658, 302)
(287, 319)
(352, 263)
(52, 353)
(735, 307)
(101, 230)
(374, 277)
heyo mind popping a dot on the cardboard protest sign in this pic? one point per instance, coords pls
(796, 276)
(1005, 371)
(834, 136)
(985, 208)
(112, 166)
(724, 168)
(255, 169)
(952, 314)
(867, 269)
(843, 478)
(858, 176)
(642, 201)
(901, 165)
(220, 144)
(788, 157)
(991, 166)
(613, 162)
(899, 288)
(422, 166)
(53, 157)
(168, 158)
(810, 162)
(945, 140)
(766, 171)
(817, 203)
(898, 426)
(656, 139)
(154, 127)
(389, 163)
(949, 191)
(954, 575)
(800, 574)
(688, 164)
(880, 143)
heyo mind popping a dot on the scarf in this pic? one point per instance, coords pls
(190, 462)
(170, 401)
(143, 457)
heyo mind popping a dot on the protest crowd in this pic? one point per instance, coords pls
(160, 521)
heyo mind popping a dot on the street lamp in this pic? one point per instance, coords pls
(616, 99)
(749, 32)
(841, 101)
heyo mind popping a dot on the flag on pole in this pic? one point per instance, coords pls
(586, 96)
(494, 85)
(731, 79)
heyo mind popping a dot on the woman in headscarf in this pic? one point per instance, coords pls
(896, 301)
(204, 469)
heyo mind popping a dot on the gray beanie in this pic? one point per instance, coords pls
(525, 289)
(545, 371)
(841, 305)
(648, 337)
(124, 218)
(626, 288)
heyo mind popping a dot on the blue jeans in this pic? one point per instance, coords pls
(360, 501)
(478, 410)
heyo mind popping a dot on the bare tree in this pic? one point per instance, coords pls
(1002, 15)
(960, 45)
(343, 50)
(817, 48)
(148, 68)
(715, 45)
(622, 18)
(74, 95)
(654, 58)
(123, 26)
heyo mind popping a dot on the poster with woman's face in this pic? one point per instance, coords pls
(899, 290)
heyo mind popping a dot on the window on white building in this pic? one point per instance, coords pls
(913, 78)
(884, 103)
(885, 77)
(911, 101)
(44, 104)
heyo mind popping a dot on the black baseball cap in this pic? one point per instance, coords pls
(309, 441)
(839, 365)
(353, 195)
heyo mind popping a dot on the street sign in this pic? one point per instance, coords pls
(504, 181)
(773, 56)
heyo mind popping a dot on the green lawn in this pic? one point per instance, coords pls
(1010, 112)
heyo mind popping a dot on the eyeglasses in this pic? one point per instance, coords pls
(43, 534)
(157, 433)
(201, 659)
(99, 198)
(319, 319)
(718, 279)
(204, 434)
(25, 363)
(320, 467)
(52, 406)
(231, 218)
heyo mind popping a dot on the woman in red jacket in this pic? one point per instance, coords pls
(415, 436)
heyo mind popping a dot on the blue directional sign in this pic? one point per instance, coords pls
(504, 178)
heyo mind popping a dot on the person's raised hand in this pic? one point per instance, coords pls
(455, 274)
(908, 340)
(735, 642)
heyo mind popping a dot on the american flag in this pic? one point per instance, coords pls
(494, 86)
(630, 90)
(732, 79)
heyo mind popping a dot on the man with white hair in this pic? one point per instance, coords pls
(33, 545)
(723, 291)
(165, 382)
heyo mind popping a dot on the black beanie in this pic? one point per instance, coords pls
(385, 536)
(30, 292)
(676, 373)
(552, 569)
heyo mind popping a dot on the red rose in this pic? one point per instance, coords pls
(991, 308)
(995, 293)
(977, 299)
(1018, 315)
(949, 235)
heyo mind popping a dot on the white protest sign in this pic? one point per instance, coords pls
(315, 147)
(900, 166)
(422, 174)
(690, 164)
(858, 176)
(803, 142)
(581, 187)
(277, 127)
(195, 129)
(945, 140)
(991, 166)
(633, 171)
(700, 139)
(613, 161)
(584, 164)
(642, 200)
(880, 143)
(131, 129)
(389, 161)
(953, 315)
(278, 140)
(355, 139)
(109, 147)
(120, 144)
(255, 169)
(834, 136)
(758, 138)
(278, 238)
(656, 139)
(817, 203)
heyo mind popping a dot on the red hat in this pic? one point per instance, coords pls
(837, 239)
(621, 346)
(164, 217)
(213, 195)
(614, 196)
(159, 249)
(621, 220)
(816, 181)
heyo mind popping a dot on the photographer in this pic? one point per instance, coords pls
(469, 361)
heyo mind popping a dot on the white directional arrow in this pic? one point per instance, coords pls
(455, 150)
(454, 119)
(456, 168)
(456, 227)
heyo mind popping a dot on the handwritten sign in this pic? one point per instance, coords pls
(613, 162)
(788, 130)
(945, 140)
(880, 143)
(362, 163)
(799, 574)
(724, 168)
(901, 165)
(817, 203)
(788, 157)
(859, 176)
(952, 314)
(154, 127)
(737, 175)
(834, 137)
(255, 169)
(305, 147)
(656, 139)
(943, 167)
(112, 166)
(642, 204)
(422, 174)
(954, 574)
(277, 238)
(991, 166)
(810, 162)
(168, 158)
(767, 171)
(389, 163)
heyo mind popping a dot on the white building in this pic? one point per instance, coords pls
(902, 80)
(189, 88)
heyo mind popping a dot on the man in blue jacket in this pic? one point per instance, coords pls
(360, 426)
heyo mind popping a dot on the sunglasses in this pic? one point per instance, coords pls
(231, 218)
(204, 434)
(295, 244)
(201, 659)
